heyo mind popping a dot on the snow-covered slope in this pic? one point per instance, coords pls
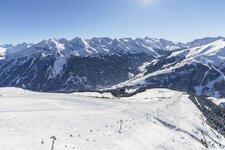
(212, 53)
(2, 52)
(220, 102)
(62, 65)
(199, 70)
(203, 41)
(94, 47)
(154, 119)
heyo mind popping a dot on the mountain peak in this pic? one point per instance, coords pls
(102, 62)
(204, 41)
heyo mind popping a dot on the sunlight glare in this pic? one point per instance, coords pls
(146, 3)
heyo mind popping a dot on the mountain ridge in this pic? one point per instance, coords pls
(60, 65)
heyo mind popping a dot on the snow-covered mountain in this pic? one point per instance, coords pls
(203, 41)
(77, 64)
(2, 52)
(3, 49)
(115, 105)
(128, 65)
(199, 70)
(151, 120)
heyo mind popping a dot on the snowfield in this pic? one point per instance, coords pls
(2, 52)
(154, 119)
(220, 102)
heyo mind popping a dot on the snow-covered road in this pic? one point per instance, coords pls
(154, 119)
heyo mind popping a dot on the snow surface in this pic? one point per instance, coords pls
(2, 52)
(211, 55)
(94, 94)
(59, 46)
(218, 101)
(154, 119)
(58, 66)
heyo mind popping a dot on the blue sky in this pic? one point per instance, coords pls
(177, 20)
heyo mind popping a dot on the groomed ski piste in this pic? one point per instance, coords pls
(154, 119)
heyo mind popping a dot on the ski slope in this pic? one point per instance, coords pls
(154, 119)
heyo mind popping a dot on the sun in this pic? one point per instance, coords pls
(146, 3)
